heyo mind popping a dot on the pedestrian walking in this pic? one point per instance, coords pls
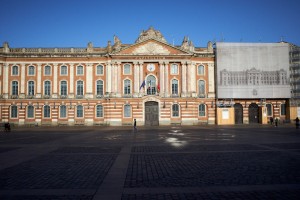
(276, 122)
(297, 122)
(134, 126)
(271, 120)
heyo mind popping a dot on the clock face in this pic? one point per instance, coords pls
(151, 67)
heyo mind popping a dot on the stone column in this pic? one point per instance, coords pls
(89, 81)
(55, 74)
(23, 84)
(142, 78)
(211, 80)
(118, 80)
(108, 77)
(183, 79)
(193, 78)
(5, 81)
(162, 79)
(136, 75)
(167, 84)
(71, 80)
(1, 82)
(39, 81)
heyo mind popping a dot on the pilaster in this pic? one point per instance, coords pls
(89, 81)
(167, 94)
(183, 79)
(71, 80)
(39, 81)
(55, 73)
(162, 78)
(5, 80)
(142, 77)
(119, 80)
(23, 76)
(136, 79)
(211, 80)
(108, 77)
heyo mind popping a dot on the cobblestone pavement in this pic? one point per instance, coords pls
(157, 163)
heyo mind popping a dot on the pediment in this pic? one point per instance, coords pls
(151, 47)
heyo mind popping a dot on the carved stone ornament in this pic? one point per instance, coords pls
(151, 48)
(151, 33)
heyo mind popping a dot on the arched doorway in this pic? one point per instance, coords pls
(151, 113)
(238, 113)
(253, 113)
(151, 85)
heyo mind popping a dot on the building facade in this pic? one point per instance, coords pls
(151, 81)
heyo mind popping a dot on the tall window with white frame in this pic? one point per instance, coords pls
(202, 110)
(282, 109)
(99, 111)
(100, 70)
(269, 109)
(200, 70)
(151, 85)
(79, 90)
(127, 110)
(30, 111)
(31, 71)
(79, 112)
(174, 69)
(63, 88)
(174, 87)
(175, 110)
(201, 88)
(46, 111)
(47, 70)
(15, 70)
(127, 69)
(99, 87)
(63, 70)
(30, 88)
(14, 111)
(127, 90)
(63, 111)
(15, 88)
(47, 88)
(79, 70)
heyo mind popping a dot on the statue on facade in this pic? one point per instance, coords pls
(117, 43)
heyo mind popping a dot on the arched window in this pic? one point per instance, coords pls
(15, 88)
(13, 111)
(46, 111)
(79, 88)
(127, 110)
(63, 70)
(47, 70)
(79, 112)
(30, 87)
(63, 88)
(174, 87)
(99, 87)
(100, 70)
(127, 86)
(202, 109)
(269, 109)
(63, 111)
(127, 69)
(30, 111)
(80, 70)
(31, 70)
(15, 70)
(99, 111)
(47, 88)
(151, 85)
(175, 110)
(201, 88)
(200, 69)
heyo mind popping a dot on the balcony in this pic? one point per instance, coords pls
(46, 96)
(14, 96)
(98, 96)
(79, 96)
(29, 96)
(63, 96)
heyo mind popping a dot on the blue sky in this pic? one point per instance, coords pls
(74, 23)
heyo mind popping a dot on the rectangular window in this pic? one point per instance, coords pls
(99, 70)
(63, 112)
(174, 69)
(79, 111)
(282, 109)
(47, 71)
(46, 111)
(127, 69)
(99, 111)
(79, 70)
(63, 70)
(30, 112)
(127, 111)
(14, 112)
